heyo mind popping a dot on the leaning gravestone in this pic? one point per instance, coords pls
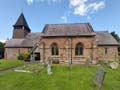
(49, 71)
(99, 77)
(114, 65)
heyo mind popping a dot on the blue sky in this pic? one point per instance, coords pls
(102, 14)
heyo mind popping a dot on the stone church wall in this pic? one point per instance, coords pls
(61, 41)
(111, 54)
(12, 53)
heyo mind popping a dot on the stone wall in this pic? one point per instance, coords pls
(110, 54)
(12, 53)
(62, 44)
(66, 47)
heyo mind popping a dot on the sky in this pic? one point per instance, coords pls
(101, 14)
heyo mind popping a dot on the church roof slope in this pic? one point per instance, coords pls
(75, 29)
(14, 43)
(22, 22)
(29, 41)
(105, 38)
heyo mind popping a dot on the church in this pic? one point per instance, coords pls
(62, 43)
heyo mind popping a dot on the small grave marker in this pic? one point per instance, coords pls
(88, 61)
(114, 65)
(49, 71)
(26, 71)
(99, 77)
(32, 59)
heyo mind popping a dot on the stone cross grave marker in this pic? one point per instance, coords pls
(49, 71)
(99, 77)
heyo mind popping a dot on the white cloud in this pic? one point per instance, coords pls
(65, 16)
(81, 10)
(77, 2)
(3, 41)
(83, 7)
(30, 2)
(41, 1)
(97, 6)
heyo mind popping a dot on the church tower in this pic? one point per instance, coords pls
(21, 28)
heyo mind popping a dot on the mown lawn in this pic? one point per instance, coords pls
(78, 78)
(6, 64)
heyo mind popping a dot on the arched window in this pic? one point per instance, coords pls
(54, 49)
(79, 49)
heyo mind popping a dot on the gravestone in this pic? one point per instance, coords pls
(99, 77)
(114, 65)
(32, 59)
(49, 71)
(42, 63)
(103, 64)
(88, 61)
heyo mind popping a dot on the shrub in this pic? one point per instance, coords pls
(24, 56)
(20, 57)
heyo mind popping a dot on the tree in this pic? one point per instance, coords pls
(117, 38)
(1, 50)
(2, 45)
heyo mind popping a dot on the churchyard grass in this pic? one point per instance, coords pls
(33, 68)
(78, 78)
(7, 64)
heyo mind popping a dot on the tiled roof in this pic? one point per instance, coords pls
(29, 41)
(22, 22)
(14, 43)
(76, 29)
(105, 38)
